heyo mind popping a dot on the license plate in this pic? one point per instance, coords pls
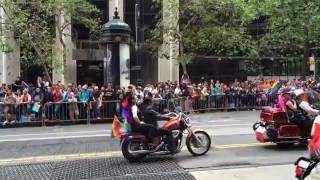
(303, 164)
(261, 130)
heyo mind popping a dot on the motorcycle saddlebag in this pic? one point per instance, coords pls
(261, 134)
(273, 115)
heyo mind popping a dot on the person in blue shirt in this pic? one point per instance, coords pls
(85, 94)
(84, 98)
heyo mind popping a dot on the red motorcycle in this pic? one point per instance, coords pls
(198, 142)
(275, 127)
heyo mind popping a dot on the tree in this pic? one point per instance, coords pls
(37, 26)
(208, 27)
(293, 28)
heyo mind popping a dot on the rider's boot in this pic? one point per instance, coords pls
(171, 140)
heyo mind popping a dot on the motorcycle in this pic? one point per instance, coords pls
(275, 127)
(198, 142)
(304, 167)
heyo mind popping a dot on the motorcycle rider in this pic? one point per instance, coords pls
(301, 117)
(152, 117)
(289, 105)
(285, 102)
(131, 112)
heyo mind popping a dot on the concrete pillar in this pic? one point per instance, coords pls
(120, 5)
(168, 67)
(124, 65)
(64, 71)
(9, 54)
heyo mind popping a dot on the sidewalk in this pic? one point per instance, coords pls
(278, 172)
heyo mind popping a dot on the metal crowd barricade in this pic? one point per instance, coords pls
(22, 113)
(65, 112)
(104, 111)
(229, 102)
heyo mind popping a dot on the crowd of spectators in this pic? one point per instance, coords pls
(26, 102)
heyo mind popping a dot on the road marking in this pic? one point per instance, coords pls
(56, 133)
(56, 137)
(224, 125)
(224, 120)
(228, 146)
(107, 154)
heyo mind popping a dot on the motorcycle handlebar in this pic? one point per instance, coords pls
(172, 114)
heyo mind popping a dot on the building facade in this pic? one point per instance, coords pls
(87, 55)
(10, 54)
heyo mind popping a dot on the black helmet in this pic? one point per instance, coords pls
(147, 100)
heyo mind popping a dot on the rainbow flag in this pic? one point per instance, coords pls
(274, 88)
(120, 127)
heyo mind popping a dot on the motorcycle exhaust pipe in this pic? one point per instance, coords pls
(147, 151)
(161, 153)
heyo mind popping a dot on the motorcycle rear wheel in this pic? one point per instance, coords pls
(126, 145)
(192, 143)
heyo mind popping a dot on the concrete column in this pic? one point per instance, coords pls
(124, 65)
(107, 68)
(168, 67)
(64, 71)
(120, 5)
(9, 54)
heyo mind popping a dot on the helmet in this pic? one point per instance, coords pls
(298, 92)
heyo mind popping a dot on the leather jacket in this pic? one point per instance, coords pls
(152, 117)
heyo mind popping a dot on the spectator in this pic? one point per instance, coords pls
(47, 100)
(185, 78)
(37, 103)
(177, 91)
(9, 101)
(26, 105)
(57, 99)
(139, 95)
(84, 98)
(73, 107)
(2, 93)
(39, 82)
(96, 94)
(85, 94)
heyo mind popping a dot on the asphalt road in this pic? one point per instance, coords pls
(234, 146)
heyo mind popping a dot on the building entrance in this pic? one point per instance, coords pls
(89, 72)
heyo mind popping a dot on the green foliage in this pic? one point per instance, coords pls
(35, 25)
(293, 27)
(209, 27)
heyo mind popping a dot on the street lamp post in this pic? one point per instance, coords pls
(138, 67)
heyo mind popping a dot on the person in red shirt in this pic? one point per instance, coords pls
(57, 99)
(314, 146)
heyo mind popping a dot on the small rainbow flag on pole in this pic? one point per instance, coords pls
(120, 127)
(274, 88)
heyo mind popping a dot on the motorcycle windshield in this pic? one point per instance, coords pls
(314, 98)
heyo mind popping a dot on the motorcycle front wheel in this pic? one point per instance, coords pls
(199, 143)
(131, 145)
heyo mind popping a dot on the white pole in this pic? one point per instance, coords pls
(116, 4)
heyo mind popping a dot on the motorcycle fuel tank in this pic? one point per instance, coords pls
(172, 124)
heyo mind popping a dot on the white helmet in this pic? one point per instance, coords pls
(298, 92)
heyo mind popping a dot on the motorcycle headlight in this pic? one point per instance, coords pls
(187, 121)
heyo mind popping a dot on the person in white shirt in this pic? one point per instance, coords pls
(303, 112)
(139, 95)
(177, 91)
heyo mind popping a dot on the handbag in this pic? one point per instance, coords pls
(35, 108)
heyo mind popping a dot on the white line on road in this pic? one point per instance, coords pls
(56, 133)
(224, 120)
(223, 125)
(54, 138)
